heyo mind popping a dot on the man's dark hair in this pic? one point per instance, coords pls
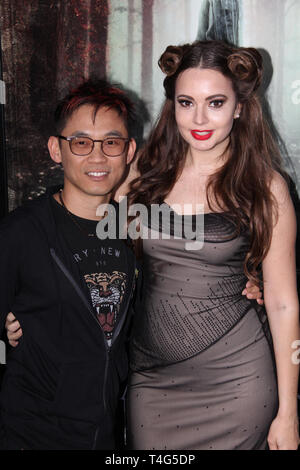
(97, 93)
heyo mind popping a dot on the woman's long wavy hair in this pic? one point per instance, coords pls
(242, 185)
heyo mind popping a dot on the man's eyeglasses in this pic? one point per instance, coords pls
(111, 146)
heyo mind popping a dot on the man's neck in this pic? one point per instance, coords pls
(81, 204)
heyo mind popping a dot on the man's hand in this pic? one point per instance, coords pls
(252, 292)
(14, 330)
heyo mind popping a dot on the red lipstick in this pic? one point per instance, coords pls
(202, 135)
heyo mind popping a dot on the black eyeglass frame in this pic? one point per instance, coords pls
(72, 137)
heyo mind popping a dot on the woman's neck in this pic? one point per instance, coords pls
(206, 163)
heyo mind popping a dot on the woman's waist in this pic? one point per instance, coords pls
(168, 333)
(160, 286)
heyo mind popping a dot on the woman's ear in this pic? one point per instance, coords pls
(237, 111)
(54, 149)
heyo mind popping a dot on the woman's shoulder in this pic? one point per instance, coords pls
(284, 208)
(279, 187)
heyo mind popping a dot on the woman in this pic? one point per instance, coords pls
(204, 375)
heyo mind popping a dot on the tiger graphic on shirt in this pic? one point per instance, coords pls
(107, 292)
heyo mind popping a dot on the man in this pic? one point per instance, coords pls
(71, 292)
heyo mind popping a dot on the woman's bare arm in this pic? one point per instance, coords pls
(281, 301)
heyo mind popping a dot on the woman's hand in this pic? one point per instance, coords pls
(252, 292)
(284, 433)
(14, 330)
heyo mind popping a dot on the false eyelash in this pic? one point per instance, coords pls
(217, 101)
(184, 103)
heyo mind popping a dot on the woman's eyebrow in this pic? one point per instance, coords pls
(211, 97)
(220, 95)
(185, 96)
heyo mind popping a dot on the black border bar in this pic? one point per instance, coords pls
(3, 159)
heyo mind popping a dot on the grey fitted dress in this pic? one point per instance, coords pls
(202, 368)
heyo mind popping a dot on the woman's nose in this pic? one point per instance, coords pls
(200, 115)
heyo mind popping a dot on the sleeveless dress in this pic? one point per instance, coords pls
(202, 365)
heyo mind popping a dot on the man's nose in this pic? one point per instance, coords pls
(97, 153)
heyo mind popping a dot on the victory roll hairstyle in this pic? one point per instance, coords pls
(242, 185)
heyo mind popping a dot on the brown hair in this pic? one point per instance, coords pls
(242, 185)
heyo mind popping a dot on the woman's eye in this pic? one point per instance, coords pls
(185, 103)
(216, 103)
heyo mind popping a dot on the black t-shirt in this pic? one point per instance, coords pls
(102, 264)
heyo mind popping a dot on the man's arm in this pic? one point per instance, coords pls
(252, 292)
(14, 330)
(9, 262)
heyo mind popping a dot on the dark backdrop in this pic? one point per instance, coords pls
(47, 48)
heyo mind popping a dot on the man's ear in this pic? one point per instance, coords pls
(131, 150)
(54, 149)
